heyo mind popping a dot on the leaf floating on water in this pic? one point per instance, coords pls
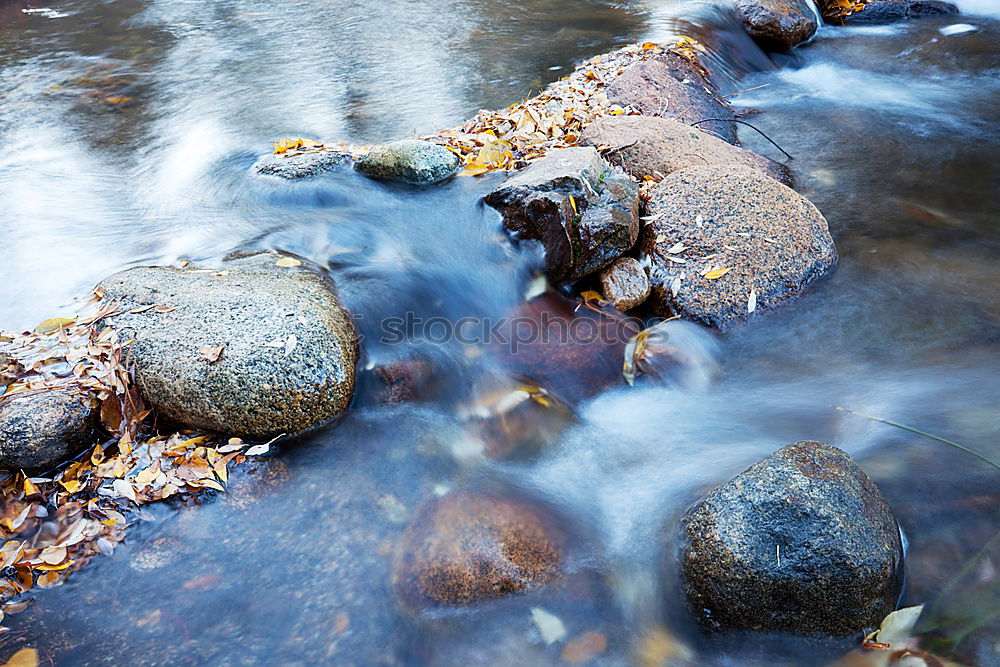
(898, 626)
(26, 657)
(550, 626)
(211, 353)
(717, 273)
(53, 324)
(634, 350)
(287, 262)
(257, 450)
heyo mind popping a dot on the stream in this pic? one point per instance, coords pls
(128, 129)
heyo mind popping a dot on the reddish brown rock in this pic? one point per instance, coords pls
(671, 86)
(468, 547)
(645, 146)
(724, 242)
(625, 283)
(779, 24)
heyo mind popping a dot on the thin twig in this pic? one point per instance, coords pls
(746, 90)
(743, 122)
(925, 434)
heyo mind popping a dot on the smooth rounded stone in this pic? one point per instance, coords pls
(625, 283)
(779, 24)
(469, 546)
(801, 542)
(409, 161)
(767, 241)
(671, 86)
(41, 430)
(644, 145)
(289, 348)
(878, 12)
(584, 212)
(299, 166)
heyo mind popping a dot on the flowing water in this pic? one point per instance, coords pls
(127, 129)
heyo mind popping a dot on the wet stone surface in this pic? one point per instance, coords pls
(40, 430)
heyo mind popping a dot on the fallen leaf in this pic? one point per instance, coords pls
(717, 273)
(752, 301)
(550, 626)
(211, 353)
(26, 657)
(257, 450)
(287, 262)
(72, 486)
(585, 648)
(53, 324)
(290, 344)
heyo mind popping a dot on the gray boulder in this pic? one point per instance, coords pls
(779, 24)
(41, 430)
(728, 241)
(299, 166)
(644, 145)
(583, 211)
(625, 283)
(878, 12)
(671, 86)
(409, 161)
(258, 347)
(801, 542)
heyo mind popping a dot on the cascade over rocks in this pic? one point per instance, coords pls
(802, 541)
(288, 348)
(584, 212)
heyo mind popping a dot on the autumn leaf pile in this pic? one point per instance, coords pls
(54, 523)
(838, 9)
(508, 139)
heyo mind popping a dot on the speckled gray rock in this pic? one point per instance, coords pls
(583, 211)
(299, 166)
(625, 283)
(671, 86)
(409, 161)
(643, 145)
(801, 542)
(771, 239)
(289, 355)
(878, 12)
(779, 24)
(39, 431)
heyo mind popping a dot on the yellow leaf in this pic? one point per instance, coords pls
(572, 202)
(54, 568)
(648, 46)
(288, 262)
(30, 489)
(118, 100)
(72, 485)
(54, 324)
(717, 273)
(26, 657)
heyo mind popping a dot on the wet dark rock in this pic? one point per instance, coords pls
(801, 542)
(584, 212)
(625, 283)
(645, 145)
(41, 430)
(468, 547)
(409, 161)
(404, 380)
(568, 349)
(674, 87)
(772, 240)
(289, 348)
(516, 423)
(890, 11)
(299, 166)
(779, 24)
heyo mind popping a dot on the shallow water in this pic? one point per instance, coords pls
(893, 136)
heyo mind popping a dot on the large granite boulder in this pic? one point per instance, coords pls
(409, 161)
(256, 347)
(801, 542)
(724, 242)
(645, 145)
(468, 547)
(779, 24)
(671, 86)
(584, 212)
(39, 430)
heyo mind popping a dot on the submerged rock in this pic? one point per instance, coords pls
(890, 11)
(671, 86)
(779, 23)
(625, 283)
(583, 211)
(801, 542)
(409, 161)
(258, 348)
(299, 166)
(468, 547)
(41, 430)
(727, 241)
(644, 145)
